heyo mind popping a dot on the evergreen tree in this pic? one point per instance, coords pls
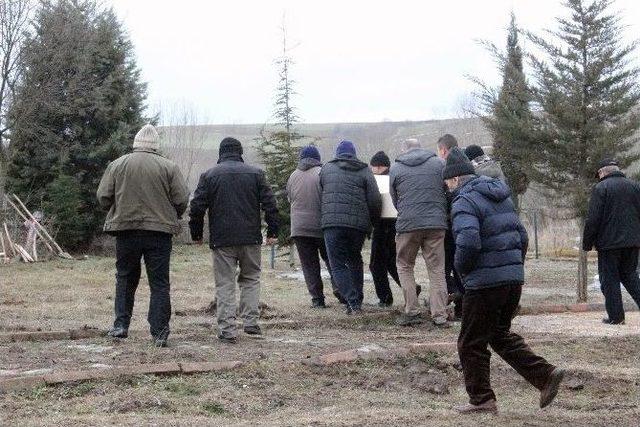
(507, 114)
(77, 108)
(588, 94)
(278, 149)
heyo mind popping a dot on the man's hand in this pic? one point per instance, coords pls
(272, 241)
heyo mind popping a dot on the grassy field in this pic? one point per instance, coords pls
(274, 387)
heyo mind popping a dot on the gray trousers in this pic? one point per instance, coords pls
(225, 267)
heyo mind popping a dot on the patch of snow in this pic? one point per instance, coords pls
(91, 348)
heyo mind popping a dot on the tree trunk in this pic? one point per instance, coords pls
(582, 269)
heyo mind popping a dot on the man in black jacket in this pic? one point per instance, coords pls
(351, 203)
(613, 227)
(233, 193)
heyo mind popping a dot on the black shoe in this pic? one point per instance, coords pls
(159, 342)
(608, 321)
(355, 311)
(382, 304)
(418, 290)
(118, 332)
(228, 340)
(253, 330)
(406, 320)
(318, 304)
(550, 390)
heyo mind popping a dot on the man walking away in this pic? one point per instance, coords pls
(303, 191)
(233, 193)
(417, 190)
(454, 284)
(491, 245)
(613, 227)
(483, 164)
(383, 243)
(351, 203)
(145, 194)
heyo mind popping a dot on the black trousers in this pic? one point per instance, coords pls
(155, 247)
(310, 250)
(617, 266)
(383, 259)
(486, 320)
(344, 248)
(454, 283)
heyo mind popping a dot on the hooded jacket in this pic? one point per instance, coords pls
(143, 191)
(350, 196)
(485, 165)
(233, 193)
(491, 242)
(613, 221)
(304, 193)
(418, 192)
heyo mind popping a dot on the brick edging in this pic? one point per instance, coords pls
(63, 377)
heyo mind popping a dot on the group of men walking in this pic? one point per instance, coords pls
(452, 206)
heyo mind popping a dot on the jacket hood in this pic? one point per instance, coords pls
(491, 188)
(415, 157)
(230, 157)
(349, 162)
(308, 163)
(613, 175)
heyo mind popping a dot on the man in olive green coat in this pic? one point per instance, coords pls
(145, 194)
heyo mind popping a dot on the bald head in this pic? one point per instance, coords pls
(410, 144)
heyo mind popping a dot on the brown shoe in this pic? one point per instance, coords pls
(550, 390)
(469, 408)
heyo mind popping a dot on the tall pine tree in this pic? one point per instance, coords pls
(278, 149)
(77, 108)
(507, 115)
(588, 93)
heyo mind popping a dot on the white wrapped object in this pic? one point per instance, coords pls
(388, 210)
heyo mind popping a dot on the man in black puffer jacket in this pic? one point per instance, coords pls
(351, 204)
(613, 227)
(234, 193)
(491, 244)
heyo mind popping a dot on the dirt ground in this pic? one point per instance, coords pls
(274, 387)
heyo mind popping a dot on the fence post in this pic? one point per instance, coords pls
(273, 257)
(535, 230)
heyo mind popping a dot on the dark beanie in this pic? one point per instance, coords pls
(380, 159)
(473, 152)
(310, 152)
(230, 146)
(346, 147)
(457, 165)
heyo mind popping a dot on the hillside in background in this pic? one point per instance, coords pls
(368, 137)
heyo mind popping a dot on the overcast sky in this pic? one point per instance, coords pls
(355, 60)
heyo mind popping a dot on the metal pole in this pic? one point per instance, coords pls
(535, 231)
(273, 257)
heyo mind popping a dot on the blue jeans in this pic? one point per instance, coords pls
(344, 248)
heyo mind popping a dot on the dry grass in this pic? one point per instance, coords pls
(275, 388)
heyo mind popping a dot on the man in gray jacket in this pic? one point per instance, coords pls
(351, 203)
(303, 191)
(417, 190)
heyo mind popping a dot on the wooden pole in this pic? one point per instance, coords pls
(46, 243)
(6, 230)
(61, 253)
(4, 249)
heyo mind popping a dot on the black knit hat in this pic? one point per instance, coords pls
(473, 151)
(457, 165)
(380, 159)
(230, 145)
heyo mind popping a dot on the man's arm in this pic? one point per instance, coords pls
(524, 239)
(179, 191)
(268, 205)
(197, 209)
(466, 231)
(106, 189)
(592, 223)
(392, 187)
(374, 199)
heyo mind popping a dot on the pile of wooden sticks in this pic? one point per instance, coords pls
(11, 249)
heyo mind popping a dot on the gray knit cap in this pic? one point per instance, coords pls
(147, 137)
